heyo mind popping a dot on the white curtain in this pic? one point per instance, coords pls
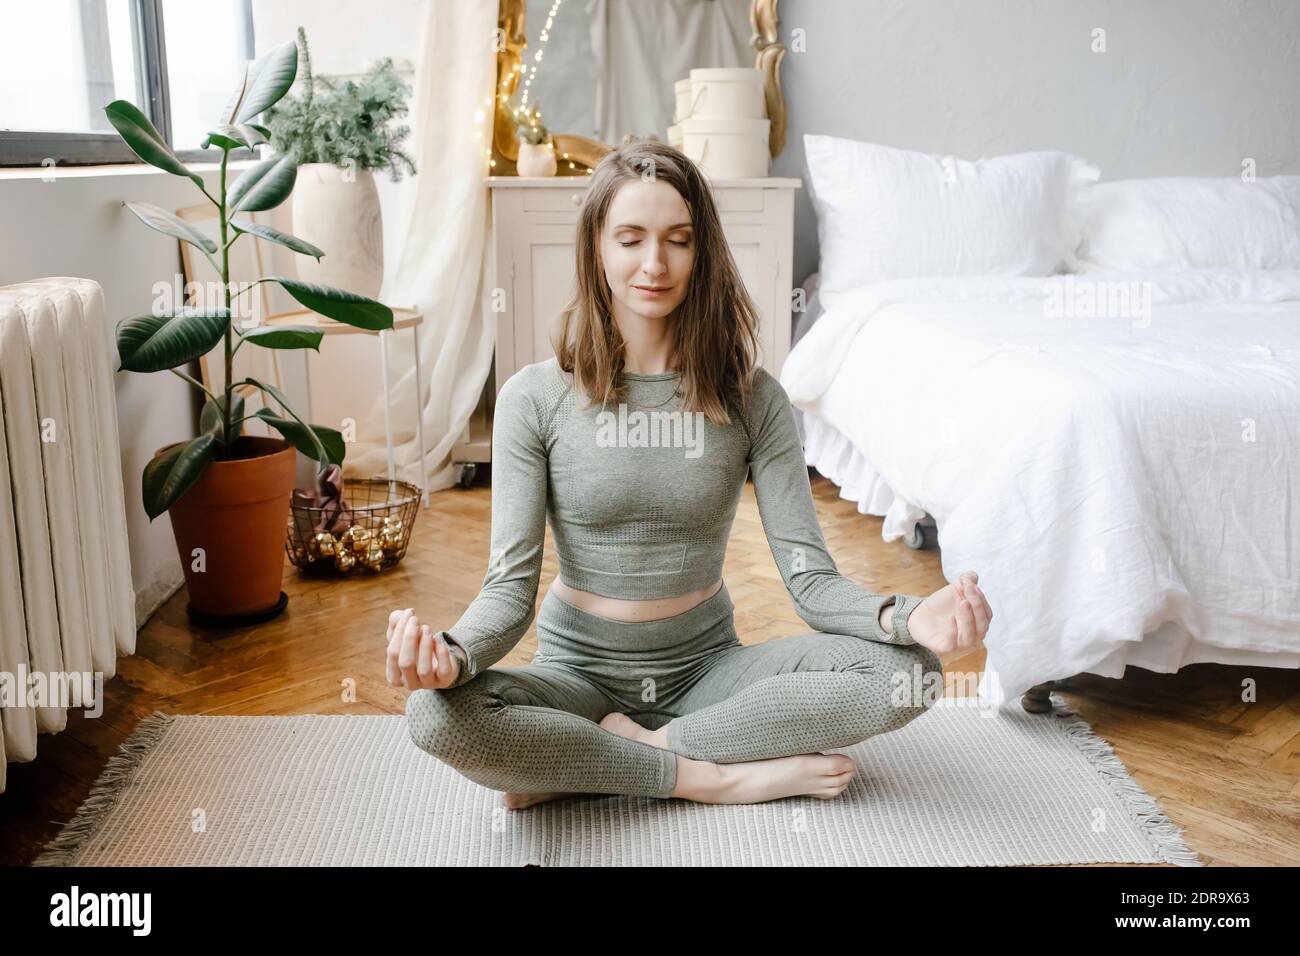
(643, 46)
(443, 260)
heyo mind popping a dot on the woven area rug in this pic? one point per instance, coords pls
(957, 786)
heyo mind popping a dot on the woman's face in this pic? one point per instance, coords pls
(648, 248)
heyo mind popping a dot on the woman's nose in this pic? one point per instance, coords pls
(654, 264)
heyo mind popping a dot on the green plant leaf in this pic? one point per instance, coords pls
(170, 225)
(244, 136)
(171, 474)
(263, 186)
(275, 235)
(269, 77)
(221, 141)
(231, 109)
(154, 343)
(322, 459)
(298, 435)
(144, 140)
(284, 337)
(338, 304)
(211, 420)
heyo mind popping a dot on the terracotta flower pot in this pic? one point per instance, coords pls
(237, 513)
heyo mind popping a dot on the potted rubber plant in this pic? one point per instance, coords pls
(228, 493)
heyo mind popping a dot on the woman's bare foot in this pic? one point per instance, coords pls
(824, 776)
(625, 726)
(820, 775)
(518, 801)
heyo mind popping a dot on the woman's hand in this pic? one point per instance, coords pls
(953, 618)
(418, 657)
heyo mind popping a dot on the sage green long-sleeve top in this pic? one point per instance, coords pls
(640, 497)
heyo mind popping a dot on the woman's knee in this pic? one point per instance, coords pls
(905, 679)
(427, 720)
(442, 723)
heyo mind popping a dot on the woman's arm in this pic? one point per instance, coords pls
(823, 598)
(499, 615)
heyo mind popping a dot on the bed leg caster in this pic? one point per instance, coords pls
(924, 535)
(1037, 700)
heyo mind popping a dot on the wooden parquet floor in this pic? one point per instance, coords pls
(1226, 771)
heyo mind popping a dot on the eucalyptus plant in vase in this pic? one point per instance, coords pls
(341, 133)
(228, 493)
(536, 150)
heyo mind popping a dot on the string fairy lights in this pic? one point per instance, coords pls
(528, 74)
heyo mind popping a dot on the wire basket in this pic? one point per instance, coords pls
(372, 538)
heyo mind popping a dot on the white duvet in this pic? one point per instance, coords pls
(1118, 455)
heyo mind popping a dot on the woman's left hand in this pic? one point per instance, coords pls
(953, 618)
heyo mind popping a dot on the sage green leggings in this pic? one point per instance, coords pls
(535, 728)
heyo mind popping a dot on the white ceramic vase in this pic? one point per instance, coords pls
(535, 159)
(338, 210)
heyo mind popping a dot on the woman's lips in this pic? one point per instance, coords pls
(653, 291)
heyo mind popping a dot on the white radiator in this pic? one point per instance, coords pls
(67, 607)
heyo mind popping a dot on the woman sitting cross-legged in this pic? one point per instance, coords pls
(635, 439)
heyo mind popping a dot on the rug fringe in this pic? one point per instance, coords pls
(115, 778)
(1163, 834)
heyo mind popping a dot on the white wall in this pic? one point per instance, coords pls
(76, 226)
(1185, 87)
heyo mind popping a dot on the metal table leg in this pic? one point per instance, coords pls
(419, 418)
(388, 425)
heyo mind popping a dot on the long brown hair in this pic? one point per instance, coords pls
(715, 328)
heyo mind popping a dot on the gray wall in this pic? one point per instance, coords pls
(1185, 87)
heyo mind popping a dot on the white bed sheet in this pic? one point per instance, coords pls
(1127, 487)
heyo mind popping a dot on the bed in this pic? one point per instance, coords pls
(1127, 488)
(1116, 452)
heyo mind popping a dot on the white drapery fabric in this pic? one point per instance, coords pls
(443, 261)
(643, 46)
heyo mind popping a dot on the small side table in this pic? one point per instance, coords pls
(402, 319)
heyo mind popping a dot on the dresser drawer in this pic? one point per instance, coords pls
(740, 199)
(549, 199)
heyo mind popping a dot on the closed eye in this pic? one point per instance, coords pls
(673, 241)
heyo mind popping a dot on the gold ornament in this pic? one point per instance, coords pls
(393, 521)
(360, 538)
(374, 559)
(324, 544)
(344, 561)
(390, 539)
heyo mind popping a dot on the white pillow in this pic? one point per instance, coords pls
(1185, 223)
(885, 213)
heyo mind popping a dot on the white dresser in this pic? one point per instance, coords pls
(534, 222)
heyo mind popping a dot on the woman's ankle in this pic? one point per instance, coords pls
(701, 780)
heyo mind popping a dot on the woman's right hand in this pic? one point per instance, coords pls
(418, 657)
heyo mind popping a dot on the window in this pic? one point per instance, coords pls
(63, 61)
(207, 47)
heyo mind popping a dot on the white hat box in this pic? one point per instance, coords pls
(728, 148)
(726, 92)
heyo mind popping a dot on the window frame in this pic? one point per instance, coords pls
(36, 148)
